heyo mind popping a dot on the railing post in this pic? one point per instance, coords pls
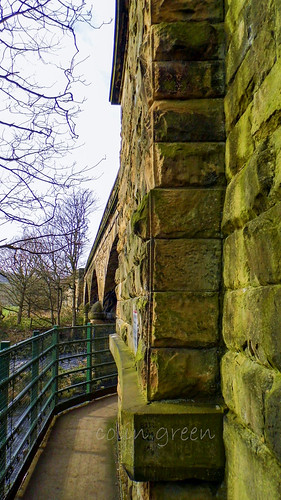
(89, 358)
(4, 400)
(55, 369)
(34, 389)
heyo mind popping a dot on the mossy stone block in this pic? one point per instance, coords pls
(189, 164)
(186, 265)
(179, 213)
(199, 120)
(252, 471)
(188, 80)
(182, 373)
(179, 41)
(185, 319)
(186, 10)
(245, 384)
(251, 322)
(273, 418)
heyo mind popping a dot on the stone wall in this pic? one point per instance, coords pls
(251, 377)
(171, 194)
(169, 278)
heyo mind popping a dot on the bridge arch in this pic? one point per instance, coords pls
(109, 296)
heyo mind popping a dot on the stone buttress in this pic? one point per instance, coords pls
(168, 76)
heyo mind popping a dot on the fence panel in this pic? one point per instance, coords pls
(39, 377)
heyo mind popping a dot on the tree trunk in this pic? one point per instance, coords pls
(73, 300)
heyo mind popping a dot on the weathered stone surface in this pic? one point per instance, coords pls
(179, 213)
(186, 10)
(180, 41)
(239, 144)
(273, 418)
(236, 271)
(186, 213)
(252, 471)
(245, 384)
(251, 21)
(190, 265)
(185, 319)
(193, 164)
(178, 440)
(253, 255)
(188, 80)
(187, 373)
(247, 193)
(267, 104)
(182, 491)
(257, 63)
(195, 120)
(251, 321)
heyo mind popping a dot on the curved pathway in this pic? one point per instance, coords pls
(79, 459)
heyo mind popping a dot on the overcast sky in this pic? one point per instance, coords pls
(99, 123)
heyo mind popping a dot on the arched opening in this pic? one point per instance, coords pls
(110, 300)
(94, 295)
(86, 294)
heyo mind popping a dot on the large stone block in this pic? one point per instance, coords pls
(179, 213)
(252, 472)
(188, 80)
(273, 418)
(267, 104)
(257, 63)
(186, 265)
(186, 10)
(247, 195)
(263, 245)
(245, 384)
(181, 41)
(189, 121)
(186, 373)
(253, 255)
(185, 319)
(188, 164)
(236, 271)
(252, 20)
(251, 322)
(239, 144)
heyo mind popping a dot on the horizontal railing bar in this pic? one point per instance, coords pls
(26, 412)
(24, 367)
(24, 342)
(84, 369)
(19, 396)
(30, 430)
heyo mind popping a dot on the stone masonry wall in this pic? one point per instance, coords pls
(251, 367)
(171, 196)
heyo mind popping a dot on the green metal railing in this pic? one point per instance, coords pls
(40, 377)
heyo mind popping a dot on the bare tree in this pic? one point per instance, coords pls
(38, 56)
(51, 267)
(20, 270)
(71, 221)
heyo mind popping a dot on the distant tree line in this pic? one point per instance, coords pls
(42, 265)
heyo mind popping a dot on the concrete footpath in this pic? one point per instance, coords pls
(79, 459)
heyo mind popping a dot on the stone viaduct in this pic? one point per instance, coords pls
(188, 254)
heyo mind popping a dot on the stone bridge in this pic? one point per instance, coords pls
(189, 249)
(99, 280)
